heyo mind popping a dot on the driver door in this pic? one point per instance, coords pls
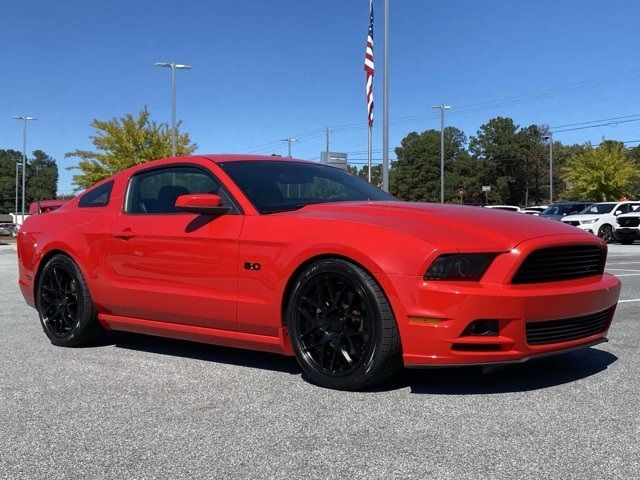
(172, 266)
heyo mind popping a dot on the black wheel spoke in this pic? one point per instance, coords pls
(332, 324)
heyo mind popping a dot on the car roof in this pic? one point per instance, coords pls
(239, 157)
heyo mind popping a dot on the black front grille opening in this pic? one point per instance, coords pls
(561, 263)
(477, 347)
(564, 330)
(629, 222)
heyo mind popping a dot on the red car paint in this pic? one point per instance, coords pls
(155, 274)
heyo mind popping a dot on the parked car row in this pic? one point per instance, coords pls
(8, 229)
(608, 220)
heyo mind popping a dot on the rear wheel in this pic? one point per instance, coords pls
(341, 326)
(64, 304)
(606, 233)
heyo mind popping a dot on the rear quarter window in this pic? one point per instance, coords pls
(97, 197)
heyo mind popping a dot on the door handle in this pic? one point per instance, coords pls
(125, 234)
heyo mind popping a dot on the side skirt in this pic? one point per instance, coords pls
(227, 338)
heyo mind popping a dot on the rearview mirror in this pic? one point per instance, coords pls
(202, 203)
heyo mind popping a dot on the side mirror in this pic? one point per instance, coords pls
(617, 212)
(202, 203)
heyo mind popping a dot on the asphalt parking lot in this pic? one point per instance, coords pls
(144, 408)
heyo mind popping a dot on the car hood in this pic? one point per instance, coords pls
(583, 217)
(443, 226)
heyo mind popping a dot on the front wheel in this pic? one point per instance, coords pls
(341, 326)
(64, 304)
(606, 233)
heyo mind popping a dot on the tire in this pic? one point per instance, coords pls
(626, 241)
(64, 304)
(606, 233)
(341, 326)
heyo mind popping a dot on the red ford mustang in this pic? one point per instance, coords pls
(303, 259)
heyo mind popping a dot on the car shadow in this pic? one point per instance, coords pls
(203, 352)
(532, 375)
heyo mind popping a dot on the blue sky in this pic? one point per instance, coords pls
(266, 70)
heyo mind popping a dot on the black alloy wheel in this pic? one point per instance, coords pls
(606, 233)
(64, 304)
(58, 301)
(341, 326)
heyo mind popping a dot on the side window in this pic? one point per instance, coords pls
(634, 207)
(97, 197)
(624, 208)
(156, 191)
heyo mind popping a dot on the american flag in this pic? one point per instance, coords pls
(368, 65)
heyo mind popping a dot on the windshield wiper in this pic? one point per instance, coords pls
(288, 208)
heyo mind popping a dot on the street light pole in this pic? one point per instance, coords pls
(549, 137)
(290, 141)
(550, 167)
(25, 119)
(442, 108)
(173, 66)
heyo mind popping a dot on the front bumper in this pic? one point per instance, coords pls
(626, 233)
(432, 316)
(449, 309)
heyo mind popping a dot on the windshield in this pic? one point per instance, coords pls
(564, 209)
(277, 186)
(599, 208)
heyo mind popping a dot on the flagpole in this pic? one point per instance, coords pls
(385, 102)
(369, 153)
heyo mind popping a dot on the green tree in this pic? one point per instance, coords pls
(415, 175)
(602, 173)
(498, 146)
(42, 177)
(376, 174)
(8, 160)
(124, 142)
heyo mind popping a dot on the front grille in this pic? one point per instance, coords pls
(561, 263)
(575, 223)
(554, 331)
(629, 221)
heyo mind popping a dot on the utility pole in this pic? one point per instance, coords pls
(385, 102)
(442, 108)
(326, 133)
(289, 141)
(25, 119)
(173, 66)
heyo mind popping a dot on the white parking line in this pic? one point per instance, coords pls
(629, 300)
(627, 275)
(624, 269)
(621, 263)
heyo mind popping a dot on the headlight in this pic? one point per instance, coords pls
(455, 266)
(589, 222)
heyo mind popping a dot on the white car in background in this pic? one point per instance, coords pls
(600, 218)
(509, 208)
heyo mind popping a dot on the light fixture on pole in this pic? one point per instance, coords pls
(289, 141)
(25, 119)
(173, 66)
(549, 137)
(442, 109)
